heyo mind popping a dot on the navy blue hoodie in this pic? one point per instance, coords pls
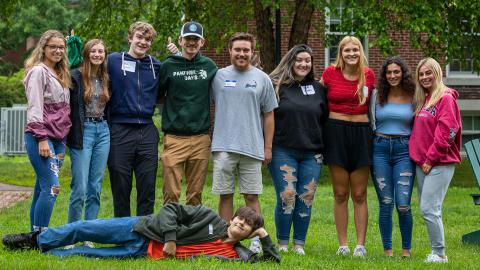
(134, 88)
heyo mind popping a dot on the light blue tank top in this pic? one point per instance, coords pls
(394, 119)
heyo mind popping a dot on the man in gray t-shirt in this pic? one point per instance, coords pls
(242, 138)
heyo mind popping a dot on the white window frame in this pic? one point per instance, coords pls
(463, 74)
(328, 32)
(475, 130)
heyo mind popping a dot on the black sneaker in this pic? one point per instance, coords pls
(21, 240)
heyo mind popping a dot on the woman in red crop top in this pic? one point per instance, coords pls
(348, 138)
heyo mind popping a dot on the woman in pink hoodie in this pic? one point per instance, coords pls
(435, 148)
(47, 82)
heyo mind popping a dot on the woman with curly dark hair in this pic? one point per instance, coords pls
(391, 114)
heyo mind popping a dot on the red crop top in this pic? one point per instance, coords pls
(341, 93)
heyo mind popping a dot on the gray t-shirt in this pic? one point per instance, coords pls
(240, 99)
(95, 107)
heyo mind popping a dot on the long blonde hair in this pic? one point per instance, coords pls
(102, 73)
(359, 69)
(437, 89)
(38, 54)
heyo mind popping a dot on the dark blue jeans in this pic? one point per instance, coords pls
(47, 186)
(116, 231)
(295, 175)
(393, 174)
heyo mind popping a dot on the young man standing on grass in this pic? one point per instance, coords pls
(185, 81)
(134, 77)
(181, 231)
(243, 132)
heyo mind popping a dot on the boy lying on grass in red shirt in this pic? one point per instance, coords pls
(180, 231)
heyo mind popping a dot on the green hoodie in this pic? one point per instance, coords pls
(186, 86)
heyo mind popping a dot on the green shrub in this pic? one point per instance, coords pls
(12, 90)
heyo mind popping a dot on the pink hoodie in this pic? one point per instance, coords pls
(436, 135)
(48, 112)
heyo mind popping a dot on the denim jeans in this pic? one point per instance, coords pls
(393, 174)
(47, 186)
(88, 169)
(295, 175)
(116, 231)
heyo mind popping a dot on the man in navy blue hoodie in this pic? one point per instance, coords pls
(134, 78)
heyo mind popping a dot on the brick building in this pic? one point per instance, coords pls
(458, 75)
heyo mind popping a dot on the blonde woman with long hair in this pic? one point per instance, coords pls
(435, 148)
(46, 83)
(89, 137)
(348, 138)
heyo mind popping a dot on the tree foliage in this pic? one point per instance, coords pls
(11, 90)
(22, 19)
(440, 29)
(110, 20)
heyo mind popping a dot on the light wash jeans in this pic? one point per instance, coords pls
(432, 188)
(116, 231)
(393, 174)
(295, 175)
(47, 186)
(88, 169)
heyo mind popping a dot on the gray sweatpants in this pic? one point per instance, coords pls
(432, 188)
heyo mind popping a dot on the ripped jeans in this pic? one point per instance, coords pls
(295, 174)
(393, 174)
(47, 186)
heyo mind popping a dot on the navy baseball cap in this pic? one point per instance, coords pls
(192, 29)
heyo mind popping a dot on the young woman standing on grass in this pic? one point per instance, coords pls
(89, 137)
(348, 138)
(391, 117)
(435, 148)
(297, 144)
(46, 83)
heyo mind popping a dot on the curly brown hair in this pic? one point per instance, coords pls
(407, 84)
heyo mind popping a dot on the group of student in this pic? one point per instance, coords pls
(408, 126)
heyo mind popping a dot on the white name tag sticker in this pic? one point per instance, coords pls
(308, 90)
(129, 66)
(365, 91)
(210, 229)
(230, 83)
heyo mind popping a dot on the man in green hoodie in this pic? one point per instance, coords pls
(185, 82)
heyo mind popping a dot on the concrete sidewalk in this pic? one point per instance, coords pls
(7, 187)
(10, 194)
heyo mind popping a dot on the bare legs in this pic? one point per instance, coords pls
(344, 185)
(225, 205)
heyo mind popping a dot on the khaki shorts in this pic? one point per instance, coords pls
(227, 164)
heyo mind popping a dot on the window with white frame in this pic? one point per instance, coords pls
(470, 128)
(462, 65)
(332, 22)
(471, 124)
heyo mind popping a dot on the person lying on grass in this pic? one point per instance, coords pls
(180, 231)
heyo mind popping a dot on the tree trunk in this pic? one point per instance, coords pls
(265, 35)
(301, 23)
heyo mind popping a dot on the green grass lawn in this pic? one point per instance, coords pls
(460, 216)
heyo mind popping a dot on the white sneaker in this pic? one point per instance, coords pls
(299, 250)
(359, 251)
(255, 246)
(343, 250)
(283, 248)
(89, 244)
(69, 247)
(434, 258)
